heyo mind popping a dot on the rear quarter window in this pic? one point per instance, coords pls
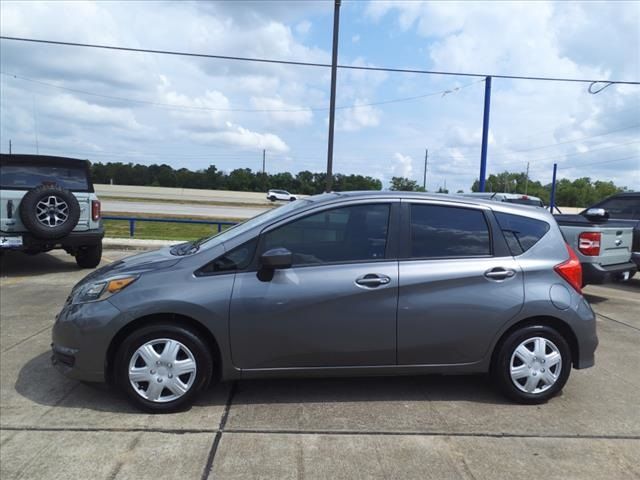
(521, 233)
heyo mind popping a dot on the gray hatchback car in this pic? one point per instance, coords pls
(358, 283)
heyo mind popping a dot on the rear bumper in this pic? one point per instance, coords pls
(593, 273)
(73, 240)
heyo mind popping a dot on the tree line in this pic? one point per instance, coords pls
(240, 179)
(581, 192)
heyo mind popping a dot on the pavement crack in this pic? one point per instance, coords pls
(48, 327)
(617, 321)
(216, 440)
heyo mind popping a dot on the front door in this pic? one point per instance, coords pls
(336, 306)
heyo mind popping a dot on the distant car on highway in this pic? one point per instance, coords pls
(282, 195)
(340, 284)
(49, 202)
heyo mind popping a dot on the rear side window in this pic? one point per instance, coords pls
(439, 231)
(28, 176)
(521, 233)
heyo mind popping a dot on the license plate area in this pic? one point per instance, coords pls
(10, 242)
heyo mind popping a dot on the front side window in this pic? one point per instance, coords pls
(234, 260)
(346, 234)
(440, 231)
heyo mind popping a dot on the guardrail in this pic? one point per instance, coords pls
(132, 222)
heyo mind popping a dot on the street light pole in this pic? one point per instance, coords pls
(485, 132)
(332, 100)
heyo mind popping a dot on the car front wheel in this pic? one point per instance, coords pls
(161, 368)
(532, 364)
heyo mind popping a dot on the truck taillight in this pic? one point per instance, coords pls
(589, 243)
(95, 210)
(571, 270)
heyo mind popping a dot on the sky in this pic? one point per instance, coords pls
(193, 112)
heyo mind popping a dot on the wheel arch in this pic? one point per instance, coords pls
(157, 318)
(559, 325)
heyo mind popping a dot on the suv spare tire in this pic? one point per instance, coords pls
(49, 211)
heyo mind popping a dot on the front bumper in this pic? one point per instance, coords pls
(593, 273)
(81, 337)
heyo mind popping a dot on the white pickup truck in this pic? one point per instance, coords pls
(603, 245)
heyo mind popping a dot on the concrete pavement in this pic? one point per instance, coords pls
(403, 427)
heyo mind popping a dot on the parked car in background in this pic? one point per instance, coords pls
(282, 195)
(624, 209)
(49, 202)
(355, 283)
(517, 198)
(604, 245)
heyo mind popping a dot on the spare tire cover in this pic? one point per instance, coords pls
(49, 211)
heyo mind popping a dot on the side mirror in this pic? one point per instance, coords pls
(596, 214)
(276, 258)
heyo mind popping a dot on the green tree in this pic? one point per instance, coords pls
(403, 184)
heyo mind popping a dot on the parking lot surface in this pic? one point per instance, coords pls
(401, 427)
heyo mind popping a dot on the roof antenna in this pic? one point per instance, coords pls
(35, 122)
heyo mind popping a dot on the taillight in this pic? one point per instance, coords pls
(95, 210)
(589, 243)
(571, 270)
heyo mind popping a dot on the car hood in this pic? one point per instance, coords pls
(136, 264)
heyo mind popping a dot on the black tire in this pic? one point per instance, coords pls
(89, 256)
(202, 355)
(29, 211)
(292, 199)
(272, 198)
(500, 370)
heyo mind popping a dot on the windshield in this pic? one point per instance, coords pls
(238, 229)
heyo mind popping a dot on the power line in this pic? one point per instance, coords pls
(251, 110)
(315, 64)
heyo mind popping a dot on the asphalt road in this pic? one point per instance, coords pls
(172, 209)
(406, 427)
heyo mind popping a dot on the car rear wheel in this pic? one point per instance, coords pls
(90, 256)
(49, 211)
(161, 368)
(532, 364)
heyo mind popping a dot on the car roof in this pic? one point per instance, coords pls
(459, 200)
(28, 159)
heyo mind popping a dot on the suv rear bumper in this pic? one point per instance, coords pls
(593, 273)
(73, 240)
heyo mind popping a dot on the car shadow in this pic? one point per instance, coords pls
(40, 383)
(21, 264)
(595, 299)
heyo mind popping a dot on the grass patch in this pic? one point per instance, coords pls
(161, 230)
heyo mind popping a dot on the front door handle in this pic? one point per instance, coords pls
(499, 273)
(372, 280)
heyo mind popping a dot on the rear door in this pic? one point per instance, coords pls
(457, 288)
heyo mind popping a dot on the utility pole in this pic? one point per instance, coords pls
(332, 100)
(485, 132)
(526, 180)
(264, 153)
(9, 146)
(424, 179)
(552, 203)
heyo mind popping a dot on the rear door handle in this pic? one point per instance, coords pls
(372, 280)
(499, 273)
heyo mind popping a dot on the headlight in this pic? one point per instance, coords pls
(94, 291)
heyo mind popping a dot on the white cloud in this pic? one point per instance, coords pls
(402, 165)
(303, 27)
(288, 114)
(355, 38)
(243, 138)
(84, 113)
(361, 116)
